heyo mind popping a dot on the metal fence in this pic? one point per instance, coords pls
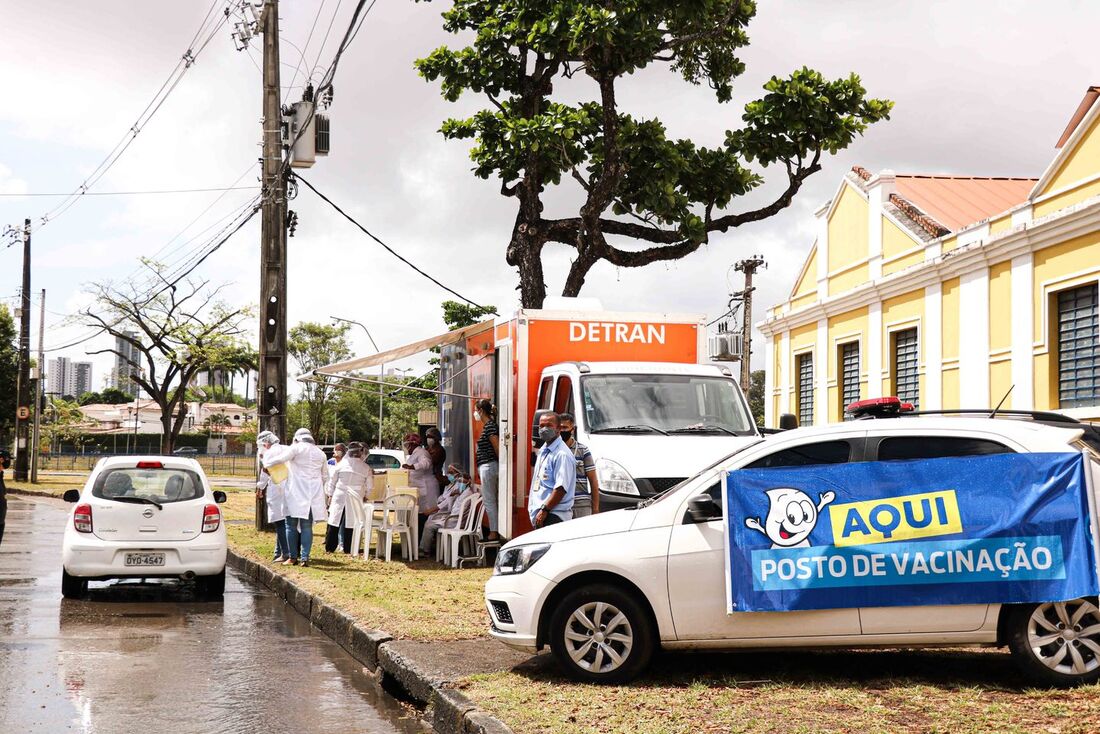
(243, 465)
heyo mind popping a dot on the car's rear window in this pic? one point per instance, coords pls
(159, 485)
(382, 461)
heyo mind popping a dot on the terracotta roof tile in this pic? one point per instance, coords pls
(957, 201)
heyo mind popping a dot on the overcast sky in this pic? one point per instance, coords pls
(980, 88)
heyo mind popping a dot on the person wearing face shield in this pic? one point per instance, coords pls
(554, 480)
(274, 495)
(305, 492)
(351, 479)
(445, 513)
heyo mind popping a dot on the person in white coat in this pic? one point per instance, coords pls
(274, 496)
(445, 514)
(305, 491)
(421, 476)
(350, 481)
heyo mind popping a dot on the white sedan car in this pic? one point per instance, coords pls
(144, 517)
(605, 592)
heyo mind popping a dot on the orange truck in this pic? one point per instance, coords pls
(647, 404)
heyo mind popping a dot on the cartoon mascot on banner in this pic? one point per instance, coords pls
(792, 516)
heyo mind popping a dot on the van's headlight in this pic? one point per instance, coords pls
(518, 559)
(613, 478)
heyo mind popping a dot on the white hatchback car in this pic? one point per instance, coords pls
(144, 517)
(605, 592)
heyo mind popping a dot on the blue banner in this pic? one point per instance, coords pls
(1006, 528)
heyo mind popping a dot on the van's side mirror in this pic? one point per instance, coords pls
(71, 495)
(219, 496)
(788, 421)
(703, 508)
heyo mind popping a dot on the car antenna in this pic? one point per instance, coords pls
(994, 413)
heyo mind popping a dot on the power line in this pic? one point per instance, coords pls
(387, 247)
(141, 193)
(302, 51)
(170, 83)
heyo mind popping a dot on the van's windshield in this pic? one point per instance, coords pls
(669, 404)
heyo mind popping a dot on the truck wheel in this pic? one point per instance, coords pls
(1057, 643)
(73, 587)
(211, 586)
(602, 634)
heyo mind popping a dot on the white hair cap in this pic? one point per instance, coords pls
(303, 434)
(267, 437)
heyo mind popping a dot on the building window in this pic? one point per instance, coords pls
(806, 389)
(906, 358)
(848, 363)
(1078, 348)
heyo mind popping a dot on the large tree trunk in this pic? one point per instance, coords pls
(525, 249)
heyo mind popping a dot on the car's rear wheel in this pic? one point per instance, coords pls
(73, 587)
(212, 586)
(602, 634)
(1057, 643)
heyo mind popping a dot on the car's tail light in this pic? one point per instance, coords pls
(211, 519)
(82, 518)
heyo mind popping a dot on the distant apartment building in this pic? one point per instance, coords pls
(126, 360)
(66, 377)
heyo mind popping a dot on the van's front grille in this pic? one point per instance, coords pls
(653, 486)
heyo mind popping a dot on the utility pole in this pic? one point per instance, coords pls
(23, 389)
(40, 391)
(272, 378)
(748, 266)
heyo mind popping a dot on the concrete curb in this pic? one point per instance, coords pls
(448, 710)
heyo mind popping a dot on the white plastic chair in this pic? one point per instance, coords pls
(470, 514)
(357, 520)
(397, 511)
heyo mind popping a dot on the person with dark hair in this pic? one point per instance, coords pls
(554, 481)
(438, 454)
(587, 500)
(488, 464)
(5, 462)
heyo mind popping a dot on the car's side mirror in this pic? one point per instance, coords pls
(71, 495)
(787, 422)
(703, 508)
(219, 496)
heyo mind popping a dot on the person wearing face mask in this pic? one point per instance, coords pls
(434, 440)
(488, 465)
(305, 491)
(554, 481)
(351, 478)
(421, 476)
(445, 514)
(587, 499)
(274, 495)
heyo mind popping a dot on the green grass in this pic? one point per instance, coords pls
(958, 691)
(421, 600)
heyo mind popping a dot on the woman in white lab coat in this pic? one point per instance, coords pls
(305, 491)
(274, 496)
(351, 480)
(421, 476)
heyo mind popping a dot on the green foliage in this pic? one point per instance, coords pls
(314, 345)
(669, 192)
(9, 373)
(756, 396)
(457, 315)
(109, 396)
(62, 422)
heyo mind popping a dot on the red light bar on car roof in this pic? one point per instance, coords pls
(150, 465)
(885, 407)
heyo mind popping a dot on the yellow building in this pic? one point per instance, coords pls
(947, 291)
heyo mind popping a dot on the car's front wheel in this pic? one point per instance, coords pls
(72, 587)
(211, 586)
(602, 634)
(1057, 643)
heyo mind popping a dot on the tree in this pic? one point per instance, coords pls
(114, 396)
(215, 423)
(63, 422)
(756, 396)
(180, 329)
(314, 345)
(9, 374)
(635, 183)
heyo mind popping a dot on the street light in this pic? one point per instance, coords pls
(381, 372)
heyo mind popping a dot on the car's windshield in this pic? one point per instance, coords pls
(158, 485)
(382, 461)
(678, 404)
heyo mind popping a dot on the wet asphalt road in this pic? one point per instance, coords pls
(145, 659)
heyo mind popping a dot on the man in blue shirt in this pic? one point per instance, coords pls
(554, 480)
